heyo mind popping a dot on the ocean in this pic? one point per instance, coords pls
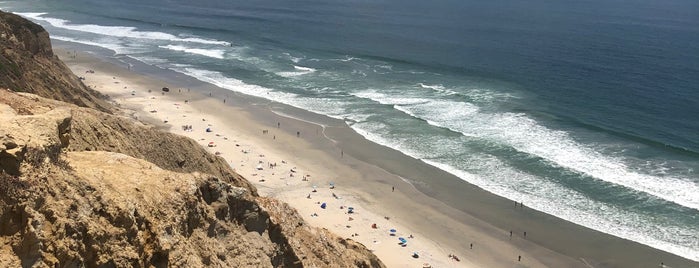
(585, 110)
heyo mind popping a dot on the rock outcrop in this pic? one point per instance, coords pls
(81, 187)
(27, 64)
(73, 198)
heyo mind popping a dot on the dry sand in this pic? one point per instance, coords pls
(264, 147)
(300, 168)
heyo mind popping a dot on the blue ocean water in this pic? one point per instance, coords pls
(586, 110)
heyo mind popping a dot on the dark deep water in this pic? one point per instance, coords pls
(587, 110)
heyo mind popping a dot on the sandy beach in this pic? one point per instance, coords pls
(339, 181)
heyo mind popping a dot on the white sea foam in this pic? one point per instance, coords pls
(213, 53)
(572, 206)
(438, 88)
(304, 69)
(299, 70)
(220, 80)
(384, 99)
(320, 106)
(434, 87)
(348, 58)
(522, 133)
(292, 58)
(526, 135)
(149, 60)
(476, 94)
(516, 130)
(117, 31)
(497, 177)
(117, 48)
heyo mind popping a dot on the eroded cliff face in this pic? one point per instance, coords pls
(27, 64)
(72, 198)
(84, 188)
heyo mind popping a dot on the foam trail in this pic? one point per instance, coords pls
(111, 46)
(300, 70)
(212, 53)
(526, 135)
(434, 87)
(117, 31)
(545, 196)
(334, 109)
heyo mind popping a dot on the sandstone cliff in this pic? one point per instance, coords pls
(84, 188)
(27, 64)
(64, 206)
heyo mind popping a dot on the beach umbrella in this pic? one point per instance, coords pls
(402, 240)
(322, 206)
(393, 231)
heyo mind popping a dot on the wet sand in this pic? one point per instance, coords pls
(444, 214)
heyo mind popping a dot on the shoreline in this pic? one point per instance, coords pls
(366, 171)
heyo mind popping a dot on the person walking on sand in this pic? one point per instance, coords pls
(393, 188)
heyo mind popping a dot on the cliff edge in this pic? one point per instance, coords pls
(27, 64)
(83, 188)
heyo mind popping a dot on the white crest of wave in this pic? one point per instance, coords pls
(118, 49)
(304, 69)
(212, 53)
(300, 70)
(387, 100)
(497, 177)
(477, 94)
(434, 87)
(348, 58)
(220, 80)
(572, 206)
(117, 31)
(292, 58)
(526, 135)
(320, 106)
